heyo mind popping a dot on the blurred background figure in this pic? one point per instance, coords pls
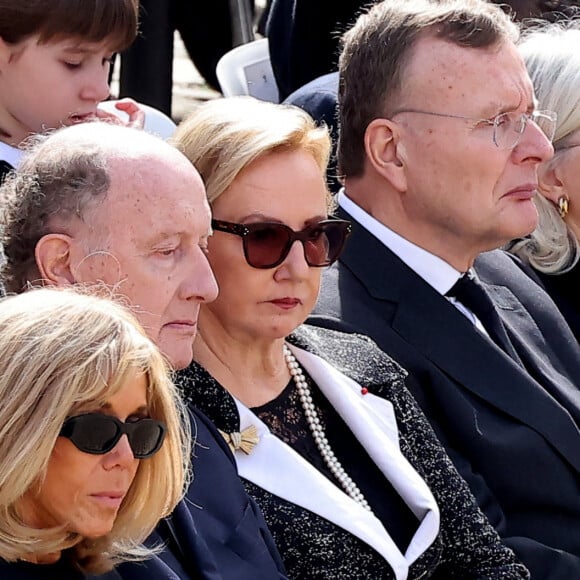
(552, 57)
(92, 430)
(304, 35)
(207, 29)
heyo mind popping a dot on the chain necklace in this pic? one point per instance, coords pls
(313, 421)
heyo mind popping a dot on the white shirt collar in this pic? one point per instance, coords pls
(435, 271)
(276, 467)
(10, 154)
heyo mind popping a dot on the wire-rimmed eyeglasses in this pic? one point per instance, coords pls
(507, 127)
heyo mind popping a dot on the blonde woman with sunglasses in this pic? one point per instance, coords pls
(327, 439)
(94, 449)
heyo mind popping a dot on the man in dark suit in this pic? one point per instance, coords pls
(112, 206)
(439, 145)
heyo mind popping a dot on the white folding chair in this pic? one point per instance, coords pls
(247, 70)
(156, 121)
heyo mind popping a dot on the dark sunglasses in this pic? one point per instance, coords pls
(97, 434)
(267, 244)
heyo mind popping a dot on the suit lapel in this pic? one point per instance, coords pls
(275, 467)
(528, 340)
(417, 313)
(372, 421)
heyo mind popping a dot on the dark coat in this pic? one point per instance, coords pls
(303, 36)
(59, 571)
(319, 98)
(513, 433)
(564, 290)
(217, 531)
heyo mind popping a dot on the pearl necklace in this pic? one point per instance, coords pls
(313, 421)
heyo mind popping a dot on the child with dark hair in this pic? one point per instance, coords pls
(55, 59)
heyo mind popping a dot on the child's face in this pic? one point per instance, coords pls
(46, 86)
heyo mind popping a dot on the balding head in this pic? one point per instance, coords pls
(98, 202)
(64, 175)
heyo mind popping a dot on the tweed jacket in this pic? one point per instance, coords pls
(453, 538)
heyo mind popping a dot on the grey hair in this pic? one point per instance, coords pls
(551, 54)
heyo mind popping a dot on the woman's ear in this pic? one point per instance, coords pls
(383, 152)
(550, 184)
(52, 255)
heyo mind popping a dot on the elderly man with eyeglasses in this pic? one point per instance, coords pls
(440, 140)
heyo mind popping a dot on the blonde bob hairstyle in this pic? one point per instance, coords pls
(222, 137)
(63, 352)
(552, 56)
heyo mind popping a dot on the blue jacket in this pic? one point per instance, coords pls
(216, 531)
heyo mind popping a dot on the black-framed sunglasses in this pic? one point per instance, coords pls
(97, 434)
(267, 244)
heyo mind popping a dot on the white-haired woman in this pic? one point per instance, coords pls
(94, 450)
(552, 57)
(350, 478)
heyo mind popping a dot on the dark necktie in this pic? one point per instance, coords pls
(469, 291)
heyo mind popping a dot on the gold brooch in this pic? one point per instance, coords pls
(244, 441)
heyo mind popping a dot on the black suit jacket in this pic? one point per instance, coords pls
(563, 289)
(512, 432)
(216, 532)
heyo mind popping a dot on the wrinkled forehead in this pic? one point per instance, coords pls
(156, 194)
(443, 74)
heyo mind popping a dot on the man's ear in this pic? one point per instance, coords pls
(53, 259)
(381, 146)
(549, 183)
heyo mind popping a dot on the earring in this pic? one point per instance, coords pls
(563, 206)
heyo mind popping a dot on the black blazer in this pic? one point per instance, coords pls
(564, 289)
(513, 434)
(216, 531)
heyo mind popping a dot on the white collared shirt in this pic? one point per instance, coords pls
(434, 270)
